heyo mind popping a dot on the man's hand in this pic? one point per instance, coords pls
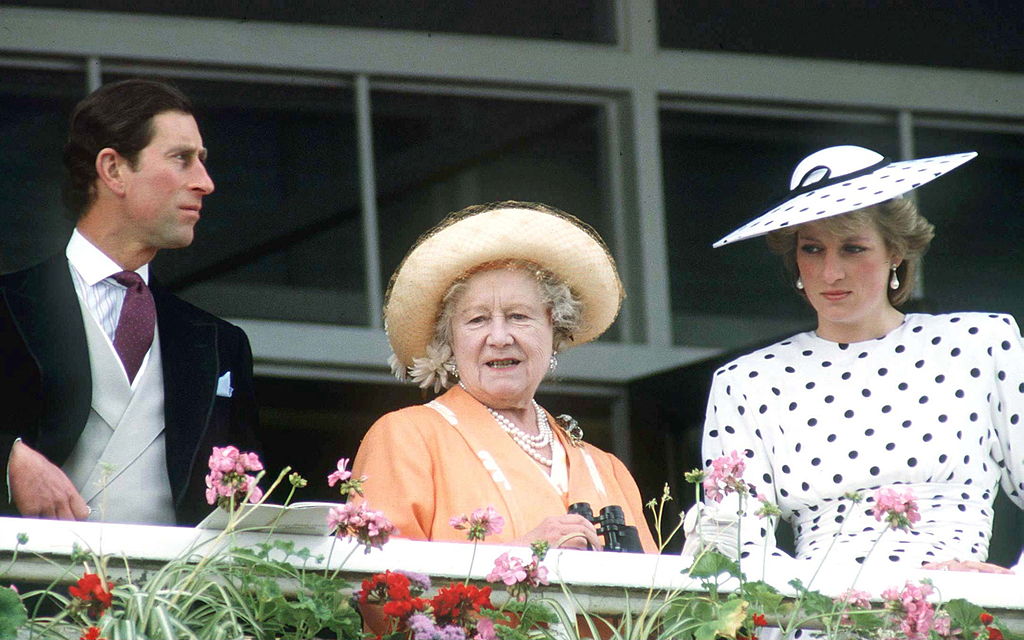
(40, 489)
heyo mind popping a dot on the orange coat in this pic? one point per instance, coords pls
(427, 463)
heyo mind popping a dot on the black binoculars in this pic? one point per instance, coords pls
(611, 525)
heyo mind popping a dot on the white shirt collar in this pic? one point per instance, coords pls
(91, 263)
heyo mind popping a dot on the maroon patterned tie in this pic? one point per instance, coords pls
(134, 333)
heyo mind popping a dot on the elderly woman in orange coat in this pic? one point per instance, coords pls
(481, 305)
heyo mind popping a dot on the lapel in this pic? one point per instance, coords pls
(44, 307)
(531, 492)
(586, 481)
(188, 348)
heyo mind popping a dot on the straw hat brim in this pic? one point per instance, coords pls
(883, 184)
(560, 243)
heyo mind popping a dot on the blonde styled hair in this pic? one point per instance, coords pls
(905, 231)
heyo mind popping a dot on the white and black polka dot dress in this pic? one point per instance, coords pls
(934, 406)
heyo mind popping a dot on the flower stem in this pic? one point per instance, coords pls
(472, 557)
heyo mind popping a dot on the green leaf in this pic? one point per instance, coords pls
(963, 614)
(711, 564)
(731, 615)
(815, 603)
(509, 633)
(12, 612)
(762, 596)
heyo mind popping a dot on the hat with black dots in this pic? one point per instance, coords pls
(841, 179)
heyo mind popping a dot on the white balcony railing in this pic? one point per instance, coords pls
(601, 582)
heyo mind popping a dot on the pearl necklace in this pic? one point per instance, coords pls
(527, 442)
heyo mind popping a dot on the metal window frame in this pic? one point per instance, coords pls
(633, 79)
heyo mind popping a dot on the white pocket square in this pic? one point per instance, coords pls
(224, 389)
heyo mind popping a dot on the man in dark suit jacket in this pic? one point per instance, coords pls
(137, 177)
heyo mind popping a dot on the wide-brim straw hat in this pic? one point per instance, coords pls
(841, 179)
(552, 239)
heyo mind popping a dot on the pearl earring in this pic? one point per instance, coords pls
(553, 363)
(894, 282)
(799, 283)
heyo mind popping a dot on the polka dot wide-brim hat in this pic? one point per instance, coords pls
(548, 237)
(841, 179)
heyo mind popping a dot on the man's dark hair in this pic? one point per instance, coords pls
(119, 116)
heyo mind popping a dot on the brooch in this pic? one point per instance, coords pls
(572, 428)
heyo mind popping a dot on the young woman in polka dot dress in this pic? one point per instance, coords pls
(872, 398)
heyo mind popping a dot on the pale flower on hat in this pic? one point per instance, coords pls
(840, 179)
(495, 233)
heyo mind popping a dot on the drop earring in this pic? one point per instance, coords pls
(894, 281)
(553, 363)
(799, 283)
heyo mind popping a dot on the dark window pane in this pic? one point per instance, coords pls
(983, 34)
(976, 258)
(438, 154)
(580, 20)
(34, 109)
(721, 171)
(281, 237)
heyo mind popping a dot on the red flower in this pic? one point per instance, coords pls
(90, 591)
(986, 618)
(384, 587)
(402, 609)
(760, 620)
(994, 634)
(92, 633)
(454, 603)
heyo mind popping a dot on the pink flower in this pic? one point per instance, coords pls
(725, 476)
(507, 569)
(223, 459)
(943, 624)
(229, 480)
(911, 609)
(899, 510)
(485, 630)
(369, 528)
(480, 524)
(853, 599)
(248, 462)
(341, 474)
(349, 486)
(859, 599)
(517, 576)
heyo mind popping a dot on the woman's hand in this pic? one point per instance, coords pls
(966, 565)
(569, 531)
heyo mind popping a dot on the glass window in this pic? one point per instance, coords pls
(34, 109)
(974, 262)
(580, 20)
(281, 237)
(720, 171)
(988, 33)
(437, 154)
(309, 424)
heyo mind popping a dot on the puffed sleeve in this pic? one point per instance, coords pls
(730, 426)
(394, 457)
(1007, 407)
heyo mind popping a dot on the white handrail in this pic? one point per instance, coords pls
(602, 582)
